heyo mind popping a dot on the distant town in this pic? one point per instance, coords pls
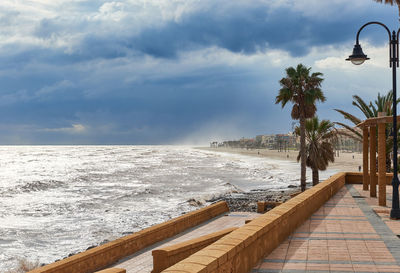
(284, 142)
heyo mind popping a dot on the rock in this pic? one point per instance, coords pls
(292, 186)
(196, 203)
(247, 201)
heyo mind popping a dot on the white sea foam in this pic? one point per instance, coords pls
(56, 200)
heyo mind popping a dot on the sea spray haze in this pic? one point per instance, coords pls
(56, 200)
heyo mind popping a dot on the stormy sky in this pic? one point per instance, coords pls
(177, 71)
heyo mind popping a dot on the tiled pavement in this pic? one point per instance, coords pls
(345, 235)
(383, 212)
(142, 261)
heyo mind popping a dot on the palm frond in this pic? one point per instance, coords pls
(374, 110)
(360, 104)
(355, 134)
(349, 116)
(284, 96)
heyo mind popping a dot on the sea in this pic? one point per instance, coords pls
(58, 200)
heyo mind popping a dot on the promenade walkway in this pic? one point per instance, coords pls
(350, 233)
(142, 261)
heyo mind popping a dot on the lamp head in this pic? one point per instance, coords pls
(358, 57)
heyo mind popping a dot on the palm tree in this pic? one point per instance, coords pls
(303, 90)
(384, 104)
(320, 137)
(391, 2)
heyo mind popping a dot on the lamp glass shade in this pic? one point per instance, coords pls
(358, 57)
(357, 61)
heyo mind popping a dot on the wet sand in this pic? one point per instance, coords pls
(346, 161)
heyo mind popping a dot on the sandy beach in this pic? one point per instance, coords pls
(348, 162)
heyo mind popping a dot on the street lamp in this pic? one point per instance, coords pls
(358, 57)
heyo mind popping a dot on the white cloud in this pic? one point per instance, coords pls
(334, 57)
(326, 10)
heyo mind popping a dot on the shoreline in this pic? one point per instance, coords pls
(238, 200)
(346, 161)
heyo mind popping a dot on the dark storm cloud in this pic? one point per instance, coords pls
(240, 31)
(247, 30)
(128, 80)
(158, 111)
(238, 28)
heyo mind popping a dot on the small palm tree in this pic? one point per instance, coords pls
(303, 89)
(320, 137)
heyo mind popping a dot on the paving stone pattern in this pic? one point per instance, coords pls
(345, 235)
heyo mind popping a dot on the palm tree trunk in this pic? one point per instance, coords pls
(315, 176)
(303, 153)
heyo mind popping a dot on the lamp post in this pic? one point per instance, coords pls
(358, 57)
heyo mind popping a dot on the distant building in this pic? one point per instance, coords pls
(348, 141)
(285, 141)
(279, 142)
(265, 141)
(214, 144)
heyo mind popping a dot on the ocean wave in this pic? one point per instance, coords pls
(55, 197)
(35, 186)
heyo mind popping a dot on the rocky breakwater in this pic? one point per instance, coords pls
(239, 200)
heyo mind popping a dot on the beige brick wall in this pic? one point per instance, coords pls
(356, 178)
(170, 255)
(107, 254)
(242, 249)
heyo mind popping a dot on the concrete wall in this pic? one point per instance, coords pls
(170, 255)
(242, 249)
(107, 254)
